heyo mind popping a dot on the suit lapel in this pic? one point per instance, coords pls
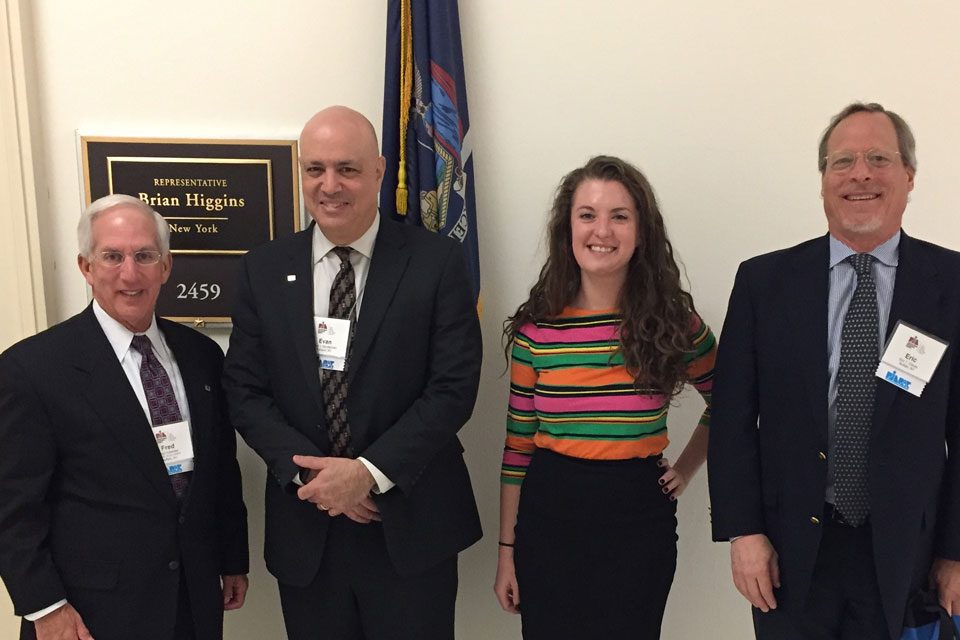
(298, 294)
(390, 260)
(916, 299)
(805, 295)
(109, 393)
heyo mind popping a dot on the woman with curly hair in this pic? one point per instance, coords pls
(605, 341)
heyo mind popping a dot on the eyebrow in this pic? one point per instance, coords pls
(615, 210)
(145, 247)
(341, 163)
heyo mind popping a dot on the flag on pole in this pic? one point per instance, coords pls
(426, 137)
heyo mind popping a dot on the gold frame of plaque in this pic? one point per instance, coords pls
(219, 197)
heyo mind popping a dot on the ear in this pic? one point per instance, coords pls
(381, 168)
(85, 268)
(166, 263)
(910, 174)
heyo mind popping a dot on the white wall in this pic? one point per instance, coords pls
(720, 103)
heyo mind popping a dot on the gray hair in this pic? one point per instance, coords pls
(905, 141)
(101, 205)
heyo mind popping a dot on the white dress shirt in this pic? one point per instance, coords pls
(120, 339)
(326, 265)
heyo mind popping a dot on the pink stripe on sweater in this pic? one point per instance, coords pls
(515, 459)
(580, 334)
(602, 404)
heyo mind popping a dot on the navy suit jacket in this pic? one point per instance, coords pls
(87, 511)
(413, 377)
(768, 437)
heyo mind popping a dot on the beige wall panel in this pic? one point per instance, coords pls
(22, 310)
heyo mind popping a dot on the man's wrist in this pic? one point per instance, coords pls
(36, 615)
(381, 483)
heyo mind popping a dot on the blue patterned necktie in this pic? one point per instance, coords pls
(343, 298)
(160, 399)
(856, 390)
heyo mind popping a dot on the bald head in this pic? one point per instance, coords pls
(341, 170)
(346, 119)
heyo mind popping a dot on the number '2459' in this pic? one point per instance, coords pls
(195, 291)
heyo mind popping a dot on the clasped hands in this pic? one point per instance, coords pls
(338, 486)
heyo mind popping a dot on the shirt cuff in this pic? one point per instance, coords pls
(384, 483)
(36, 615)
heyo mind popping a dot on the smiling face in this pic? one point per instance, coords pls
(865, 205)
(127, 293)
(341, 170)
(603, 226)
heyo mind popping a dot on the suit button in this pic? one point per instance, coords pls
(182, 519)
(173, 565)
(823, 456)
(814, 520)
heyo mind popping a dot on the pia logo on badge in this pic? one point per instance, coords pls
(914, 343)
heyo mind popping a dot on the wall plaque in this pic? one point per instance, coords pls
(220, 198)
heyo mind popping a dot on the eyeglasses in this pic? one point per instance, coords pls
(143, 258)
(840, 161)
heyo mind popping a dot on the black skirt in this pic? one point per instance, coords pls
(596, 548)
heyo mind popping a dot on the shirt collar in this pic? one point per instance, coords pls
(887, 253)
(362, 245)
(119, 336)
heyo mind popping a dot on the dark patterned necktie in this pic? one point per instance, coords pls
(343, 298)
(856, 390)
(160, 399)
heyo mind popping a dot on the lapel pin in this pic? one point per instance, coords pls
(291, 277)
(206, 387)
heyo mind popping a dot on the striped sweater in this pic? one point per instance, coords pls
(570, 392)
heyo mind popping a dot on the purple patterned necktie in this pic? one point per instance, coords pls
(343, 298)
(160, 399)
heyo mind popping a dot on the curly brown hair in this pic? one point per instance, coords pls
(655, 308)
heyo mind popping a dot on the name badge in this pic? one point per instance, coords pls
(333, 337)
(176, 446)
(910, 358)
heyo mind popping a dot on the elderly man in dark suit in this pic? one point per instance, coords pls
(121, 513)
(353, 362)
(840, 490)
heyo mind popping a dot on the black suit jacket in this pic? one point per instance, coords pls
(413, 377)
(87, 511)
(768, 436)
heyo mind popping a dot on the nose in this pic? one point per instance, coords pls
(860, 170)
(330, 181)
(128, 268)
(602, 229)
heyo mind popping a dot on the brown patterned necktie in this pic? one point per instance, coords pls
(160, 400)
(343, 298)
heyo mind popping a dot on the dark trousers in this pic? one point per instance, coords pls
(595, 548)
(844, 600)
(358, 595)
